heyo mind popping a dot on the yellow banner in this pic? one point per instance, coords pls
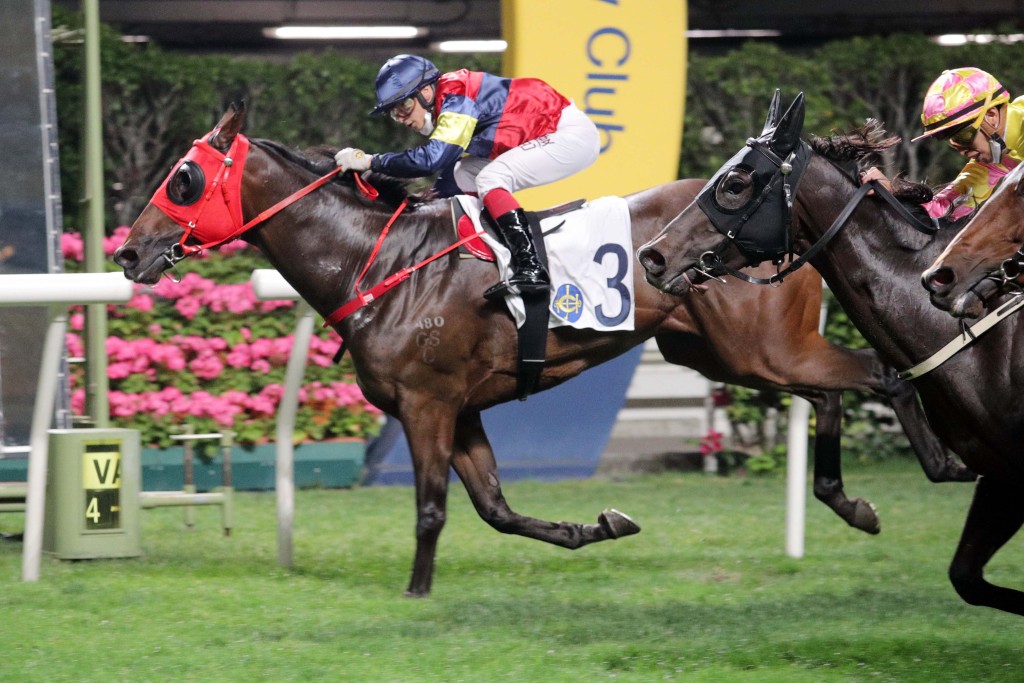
(624, 63)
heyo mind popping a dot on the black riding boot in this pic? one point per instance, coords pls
(529, 275)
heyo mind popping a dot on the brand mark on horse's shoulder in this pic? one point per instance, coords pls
(430, 323)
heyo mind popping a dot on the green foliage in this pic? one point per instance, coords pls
(770, 462)
(845, 82)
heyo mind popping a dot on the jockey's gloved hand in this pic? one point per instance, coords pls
(351, 159)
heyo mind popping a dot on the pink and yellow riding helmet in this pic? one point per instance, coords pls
(957, 97)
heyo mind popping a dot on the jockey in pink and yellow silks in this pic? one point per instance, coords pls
(971, 110)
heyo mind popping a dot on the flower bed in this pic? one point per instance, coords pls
(206, 353)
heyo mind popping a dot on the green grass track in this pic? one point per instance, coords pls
(705, 593)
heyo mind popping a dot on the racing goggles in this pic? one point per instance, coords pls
(962, 137)
(401, 111)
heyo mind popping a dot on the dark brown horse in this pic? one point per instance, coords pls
(761, 339)
(871, 254)
(987, 254)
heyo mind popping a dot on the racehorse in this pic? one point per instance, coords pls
(871, 254)
(989, 251)
(762, 340)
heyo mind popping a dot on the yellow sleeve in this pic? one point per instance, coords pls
(454, 128)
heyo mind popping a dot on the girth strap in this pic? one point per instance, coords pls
(533, 335)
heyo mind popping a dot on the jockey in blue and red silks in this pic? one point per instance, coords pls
(500, 134)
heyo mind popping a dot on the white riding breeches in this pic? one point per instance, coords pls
(572, 147)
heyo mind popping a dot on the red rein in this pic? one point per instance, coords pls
(220, 204)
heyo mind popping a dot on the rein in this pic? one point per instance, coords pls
(390, 282)
(711, 262)
(960, 342)
(226, 187)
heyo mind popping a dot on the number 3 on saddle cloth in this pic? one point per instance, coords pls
(589, 258)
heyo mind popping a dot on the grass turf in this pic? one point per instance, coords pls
(703, 593)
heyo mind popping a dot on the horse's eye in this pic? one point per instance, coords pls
(186, 185)
(735, 189)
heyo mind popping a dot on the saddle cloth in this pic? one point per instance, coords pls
(590, 260)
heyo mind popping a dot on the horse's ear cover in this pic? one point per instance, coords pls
(759, 228)
(787, 133)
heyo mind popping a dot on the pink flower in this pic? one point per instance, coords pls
(118, 370)
(142, 302)
(711, 442)
(78, 401)
(72, 247)
(206, 366)
(74, 345)
(239, 356)
(188, 306)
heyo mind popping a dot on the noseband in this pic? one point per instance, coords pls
(219, 202)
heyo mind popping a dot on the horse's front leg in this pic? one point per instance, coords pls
(828, 478)
(996, 514)
(938, 463)
(429, 428)
(473, 460)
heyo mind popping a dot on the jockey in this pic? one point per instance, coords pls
(971, 110)
(501, 134)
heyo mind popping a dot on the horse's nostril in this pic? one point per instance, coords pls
(943, 276)
(652, 261)
(126, 257)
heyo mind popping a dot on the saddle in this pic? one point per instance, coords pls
(476, 248)
(533, 332)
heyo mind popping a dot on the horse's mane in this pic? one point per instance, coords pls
(862, 148)
(320, 161)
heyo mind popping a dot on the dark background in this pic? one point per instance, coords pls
(235, 26)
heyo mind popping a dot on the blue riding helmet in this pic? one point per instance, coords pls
(400, 77)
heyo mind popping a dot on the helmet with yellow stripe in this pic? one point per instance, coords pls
(959, 98)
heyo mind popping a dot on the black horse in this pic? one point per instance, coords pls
(761, 339)
(871, 254)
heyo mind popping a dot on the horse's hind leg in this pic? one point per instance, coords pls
(828, 478)
(473, 460)
(996, 514)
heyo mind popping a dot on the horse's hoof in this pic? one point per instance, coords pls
(617, 524)
(865, 517)
(958, 472)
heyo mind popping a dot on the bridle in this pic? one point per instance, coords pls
(710, 263)
(210, 211)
